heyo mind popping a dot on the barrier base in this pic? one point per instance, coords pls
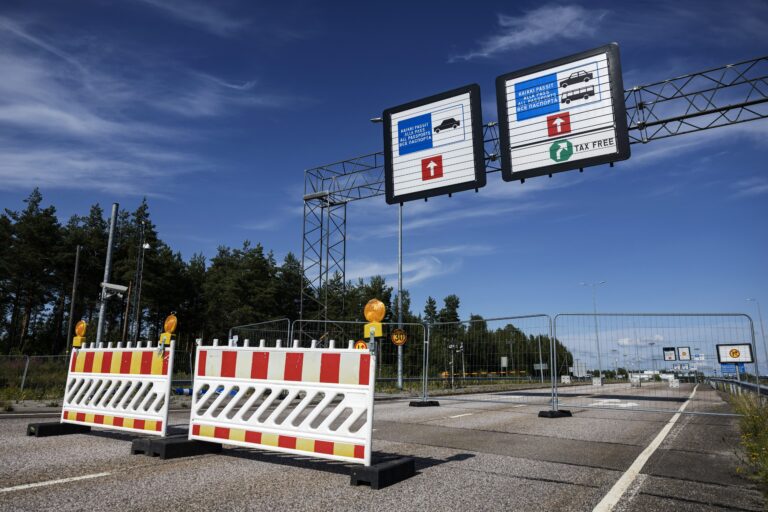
(384, 473)
(172, 447)
(424, 403)
(56, 429)
(561, 413)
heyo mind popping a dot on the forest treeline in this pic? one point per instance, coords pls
(236, 286)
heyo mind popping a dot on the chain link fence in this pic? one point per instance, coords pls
(648, 362)
(387, 382)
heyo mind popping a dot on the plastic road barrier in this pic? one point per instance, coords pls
(304, 401)
(119, 388)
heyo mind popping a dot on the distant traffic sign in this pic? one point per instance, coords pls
(581, 96)
(434, 146)
(734, 353)
(670, 354)
(361, 345)
(684, 353)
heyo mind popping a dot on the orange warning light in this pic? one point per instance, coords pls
(375, 310)
(170, 323)
(80, 328)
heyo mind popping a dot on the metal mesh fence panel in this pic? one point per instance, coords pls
(46, 377)
(12, 375)
(323, 331)
(506, 358)
(648, 362)
(270, 330)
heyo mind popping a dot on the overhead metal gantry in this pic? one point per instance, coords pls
(731, 94)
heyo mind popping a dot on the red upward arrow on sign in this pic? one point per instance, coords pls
(559, 124)
(432, 168)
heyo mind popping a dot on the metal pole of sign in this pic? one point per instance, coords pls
(72, 298)
(541, 363)
(400, 295)
(107, 271)
(425, 365)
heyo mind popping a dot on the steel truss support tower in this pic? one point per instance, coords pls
(723, 96)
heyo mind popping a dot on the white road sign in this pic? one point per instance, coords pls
(562, 115)
(684, 353)
(434, 146)
(670, 354)
(734, 353)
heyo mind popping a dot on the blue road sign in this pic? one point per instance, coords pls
(414, 134)
(731, 368)
(537, 97)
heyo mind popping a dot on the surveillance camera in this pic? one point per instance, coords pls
(114, 288)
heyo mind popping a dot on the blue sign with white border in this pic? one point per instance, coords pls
(414, 134)
(537, 97)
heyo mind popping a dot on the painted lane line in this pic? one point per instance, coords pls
(611, 499)
(461, 415)
(53, 482)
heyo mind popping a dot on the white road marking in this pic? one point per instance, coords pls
(53, 482)
(620, 487)
(461, 415)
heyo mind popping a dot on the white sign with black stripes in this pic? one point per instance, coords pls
(562, 115)
(434, 146)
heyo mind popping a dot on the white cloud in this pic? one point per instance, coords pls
(415, 270)
(75, 119)
(202, 15)
(538, 26)
(750, 187)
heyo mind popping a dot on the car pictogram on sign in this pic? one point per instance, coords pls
(449, 123)
(559, 124)
(432, 168)
(577, 77)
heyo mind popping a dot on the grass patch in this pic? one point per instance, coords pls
(6, 406)
(754, 436)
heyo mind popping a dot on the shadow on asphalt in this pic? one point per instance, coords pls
(330, 466)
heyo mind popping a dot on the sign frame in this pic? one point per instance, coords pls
(681, 351)
(667, 350)
(740, 345)
(617, 103)
(478, 146)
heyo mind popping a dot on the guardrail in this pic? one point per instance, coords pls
(754, 388)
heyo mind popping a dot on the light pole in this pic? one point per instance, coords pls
(597, 336)
(377, 120)
(762, 330)
(143, 246)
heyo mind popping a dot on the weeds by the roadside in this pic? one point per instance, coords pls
(754, 436)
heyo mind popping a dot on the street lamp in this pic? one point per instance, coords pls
(762, 330)
(597, 337)
(143, 246)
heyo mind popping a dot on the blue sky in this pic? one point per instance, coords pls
(214, 109)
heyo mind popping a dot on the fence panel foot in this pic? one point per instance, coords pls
(424, 403)
(562, 413)
(172, 447)
(383, 473)
(55, 429)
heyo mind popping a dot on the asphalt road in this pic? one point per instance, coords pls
(482, 452)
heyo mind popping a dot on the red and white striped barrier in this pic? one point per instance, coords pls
(119, 388)
(304, 401)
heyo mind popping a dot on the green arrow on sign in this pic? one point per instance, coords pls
(561, 150)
